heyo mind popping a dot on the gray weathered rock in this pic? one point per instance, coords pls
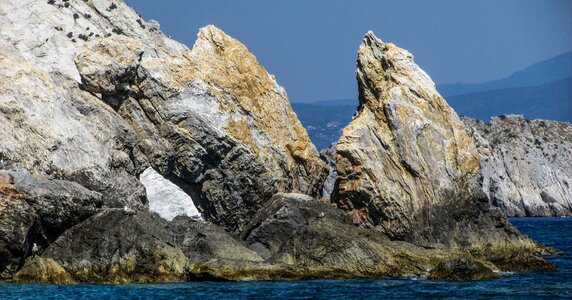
(37, 211)
(204, 241)
(526, 165)
(329, 155)
(302, 238)
(114, 247)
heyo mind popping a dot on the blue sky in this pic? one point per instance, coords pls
(311, 45)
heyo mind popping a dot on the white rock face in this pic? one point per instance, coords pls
(526, 165)
(166, 198)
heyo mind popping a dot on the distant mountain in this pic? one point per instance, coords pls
(549, 101)
(550, 70)
(324, 120)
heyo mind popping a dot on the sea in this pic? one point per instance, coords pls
(553, 232)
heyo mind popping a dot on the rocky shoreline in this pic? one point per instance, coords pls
(127, 157)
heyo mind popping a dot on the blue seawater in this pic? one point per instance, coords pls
(554, 232)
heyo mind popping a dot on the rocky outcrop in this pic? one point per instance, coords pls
(526, 165)
(406, 165)
(301, 238)
(212, 119)
(91, 94)
(230, 146)
(127, 157)
(114, 247)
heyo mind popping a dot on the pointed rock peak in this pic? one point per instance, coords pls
(370, 36)
(388, 66)
(226, 58)
(406, 152)
(211, 37)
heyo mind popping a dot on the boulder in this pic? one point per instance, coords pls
(42, 270)
(462, 268)
(116, 247)
(36, 211)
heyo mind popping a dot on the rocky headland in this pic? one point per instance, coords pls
(127, 157)
(526, 165)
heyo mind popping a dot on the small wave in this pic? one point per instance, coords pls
(503, 273)
(415, 277)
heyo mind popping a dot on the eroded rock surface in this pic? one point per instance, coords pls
(301, 238)
(92, 94)
(114, 247)
(211, 119)
(462, 268)
(526, 165)
(406, 165)
(36, 211)
(43, 270)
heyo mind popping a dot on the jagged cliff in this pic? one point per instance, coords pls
(127, 157)
(210, 119)
(91, 94)
(405, 163)
(526, 165)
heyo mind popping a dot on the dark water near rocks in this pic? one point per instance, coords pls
(554, 232)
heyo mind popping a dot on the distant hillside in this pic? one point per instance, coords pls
(324, 120)
(551, 101)
(550, 70)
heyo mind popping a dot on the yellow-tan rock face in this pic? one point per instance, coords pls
(260, 114)
(405, 162)
(43, 270)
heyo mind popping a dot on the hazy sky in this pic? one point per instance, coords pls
(311, 45)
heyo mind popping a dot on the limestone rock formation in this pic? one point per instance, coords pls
(106, 121)
(211, 120)
(526, 165)
(406, 165)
